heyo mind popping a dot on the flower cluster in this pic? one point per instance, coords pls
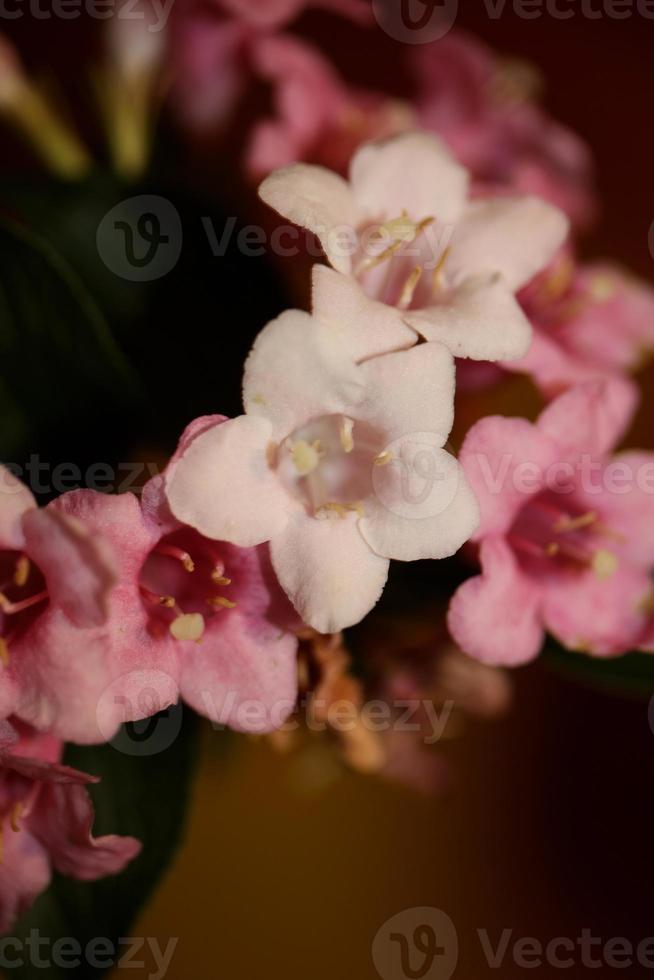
(447, 224)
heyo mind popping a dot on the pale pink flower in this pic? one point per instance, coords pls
(403, 232)
(566, 539)
(190, 618)
(319, 466)
(46, 817)
(484, 109)
(590, 321)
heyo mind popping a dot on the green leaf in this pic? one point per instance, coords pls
(60, 368)
(146, 775)
(629, 674)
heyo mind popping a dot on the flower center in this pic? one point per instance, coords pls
(546, 536)
(179, 584)
(327, 465)
(22, 587)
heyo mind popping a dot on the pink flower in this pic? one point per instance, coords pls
(566, 537)
(403, 233)
(56, 577)
(590, 321)
(188, 617)
(322, 464)
(46, 817)
(483, 108)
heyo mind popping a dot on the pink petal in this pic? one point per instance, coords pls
(603, 617)
(494, 616)
(328, 571)
(62, 822)
(241, 660)
(506, 461)
(410, 392)
(602, 412)
(297, 370)
(15, 501)
(514, 236)
(361, 326)
(412, 172)
(480, 318)
(428, 513)
(223, 484)
(24, 874)
(320, 200)
(78, 564)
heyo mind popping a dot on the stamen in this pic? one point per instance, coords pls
(173, 552)
(188, 626)
(602, 288)
(342, 510)
(218, 578)
(383, 459)
(565, 523)
(345, 433)
(305, 457)
(376, 260)
(220, 602)
(15, 817)
(437, 274)
(11, 608)
(22, 571)
(4, 652)
(409, 288)
(605, 563)
(157, 600)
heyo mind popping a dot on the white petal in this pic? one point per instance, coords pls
(296, 371)
(223, 485)
(480, 319)
(516, 236)
(412, 172)
(328, 571)
(320, 200)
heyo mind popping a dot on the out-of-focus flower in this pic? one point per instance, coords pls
(29, 110)
(46, 817)
(566, 536)
(447, 266)
(484, 108)
(318, 465)
(590, 321)
(187, 617)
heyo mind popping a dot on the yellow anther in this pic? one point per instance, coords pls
(383, 459)
(345, 433)
(22, 571)
(602, 287)
(4, 652)
(305, 456)
(341, 510)
(188, 626)
(605, 563)
(168, 601)
(220, 602)
(409, 288)
(575, 523)
(218, 578)
(15, 816)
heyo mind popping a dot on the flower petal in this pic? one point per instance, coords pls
(362, 327)
(494, 616)
(24, 874)
(480, 319)
(297, 370)
(78, 563)
(602, 411)
(328, 571)
(15, 500)
(412, 172)
(243, 674)
(223, 485)
(506, 461)
(419, 511)
(410, 392)
(515, 236)
(319, 200)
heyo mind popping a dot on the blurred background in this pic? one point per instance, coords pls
(291, 864)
